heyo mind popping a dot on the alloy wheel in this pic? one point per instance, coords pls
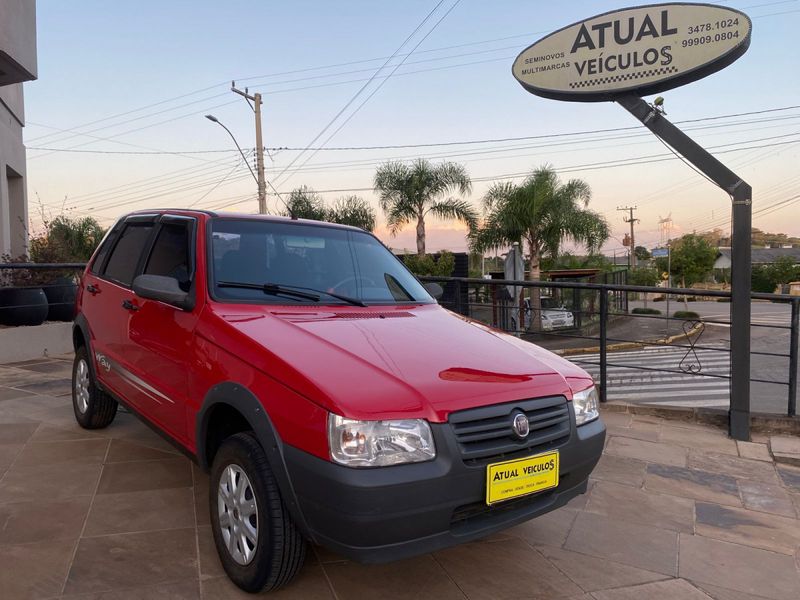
(238, 514)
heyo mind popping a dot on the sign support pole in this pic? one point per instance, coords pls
(741, 193)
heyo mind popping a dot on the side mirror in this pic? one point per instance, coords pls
(163, 289)
(434, 289)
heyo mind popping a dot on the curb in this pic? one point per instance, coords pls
(717, 417)
(630, 345)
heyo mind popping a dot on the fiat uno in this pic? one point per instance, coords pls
(328, 395)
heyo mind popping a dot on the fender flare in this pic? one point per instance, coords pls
(82, 325)
(247, 404)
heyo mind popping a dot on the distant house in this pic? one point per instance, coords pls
(759, 256)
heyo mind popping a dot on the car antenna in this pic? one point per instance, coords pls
(292, 215)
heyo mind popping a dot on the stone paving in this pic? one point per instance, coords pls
(675, 511)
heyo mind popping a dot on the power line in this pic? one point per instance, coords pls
(363, 87)
(380, 85)
(456, 142)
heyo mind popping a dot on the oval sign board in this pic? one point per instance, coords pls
(640, 50)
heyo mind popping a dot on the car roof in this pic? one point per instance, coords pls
(240, 216)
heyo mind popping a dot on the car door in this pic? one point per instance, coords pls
(106, 302)
(159, 334)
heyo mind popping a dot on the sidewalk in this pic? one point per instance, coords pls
(675, 511)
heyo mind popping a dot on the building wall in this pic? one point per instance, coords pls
(17, 64)
(17, 41)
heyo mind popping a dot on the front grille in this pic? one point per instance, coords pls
(486, 433)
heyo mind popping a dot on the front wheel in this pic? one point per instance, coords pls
(94, 409)
(259, 545)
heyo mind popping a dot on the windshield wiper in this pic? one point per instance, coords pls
(290, 290)
(343, 298)
(269, 288)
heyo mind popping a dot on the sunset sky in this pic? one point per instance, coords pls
(123, 87)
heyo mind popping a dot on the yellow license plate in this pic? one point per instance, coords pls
(515, 478)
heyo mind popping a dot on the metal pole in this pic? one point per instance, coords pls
(654, 120)
(741, 284)
(793, 352)
(603, 337)
(262, 184)
(669, 285)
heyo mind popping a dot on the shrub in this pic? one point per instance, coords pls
(645, 311)
(67, 240)
(425, 264)
(685, 314)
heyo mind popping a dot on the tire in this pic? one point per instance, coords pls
(279, 549)
(94, 409)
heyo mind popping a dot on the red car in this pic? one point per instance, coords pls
(327, 393)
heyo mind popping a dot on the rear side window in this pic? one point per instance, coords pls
(122, 263)
(105, 246)
(171, 255)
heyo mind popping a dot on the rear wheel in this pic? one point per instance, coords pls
(259, 545)
(94, 409)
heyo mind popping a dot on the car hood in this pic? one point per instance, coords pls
(394, 362)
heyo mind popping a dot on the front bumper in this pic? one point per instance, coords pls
(389, 513)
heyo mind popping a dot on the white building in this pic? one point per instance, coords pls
(17, 64)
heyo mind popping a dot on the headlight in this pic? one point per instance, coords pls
(379, 443)
(586, 405)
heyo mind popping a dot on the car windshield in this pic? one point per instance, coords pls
(285, 256)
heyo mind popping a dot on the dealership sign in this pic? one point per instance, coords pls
(640, 50)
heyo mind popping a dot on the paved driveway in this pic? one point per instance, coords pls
(675, 511)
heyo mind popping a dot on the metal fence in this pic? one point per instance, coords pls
(559, 315)
(564, 316)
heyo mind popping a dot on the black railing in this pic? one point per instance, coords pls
(558, 315)
(567, 313)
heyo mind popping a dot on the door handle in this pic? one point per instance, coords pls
(128, 305)
(92, 289)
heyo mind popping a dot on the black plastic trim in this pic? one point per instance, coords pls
(248, 405)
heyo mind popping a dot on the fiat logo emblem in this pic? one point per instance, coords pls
(520, 425)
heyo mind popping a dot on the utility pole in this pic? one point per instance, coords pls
(255, 103)
(631, 220)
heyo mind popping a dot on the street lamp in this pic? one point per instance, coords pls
(214, 119)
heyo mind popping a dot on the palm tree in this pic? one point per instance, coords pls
(411, 192)
(542, 213)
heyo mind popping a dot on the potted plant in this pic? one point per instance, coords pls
(22, 302)
(64, 240)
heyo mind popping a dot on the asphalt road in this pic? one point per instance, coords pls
(697, 377)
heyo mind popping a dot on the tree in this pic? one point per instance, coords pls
(641, 253)
(766, 278)
(644, 276)
(353, 210)
(692, 259)
(305, 203)
(409, 193)
(543, 213)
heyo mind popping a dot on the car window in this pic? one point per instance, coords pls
(121, 265)
(171, 252)
(105, 246)
(325, 259)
